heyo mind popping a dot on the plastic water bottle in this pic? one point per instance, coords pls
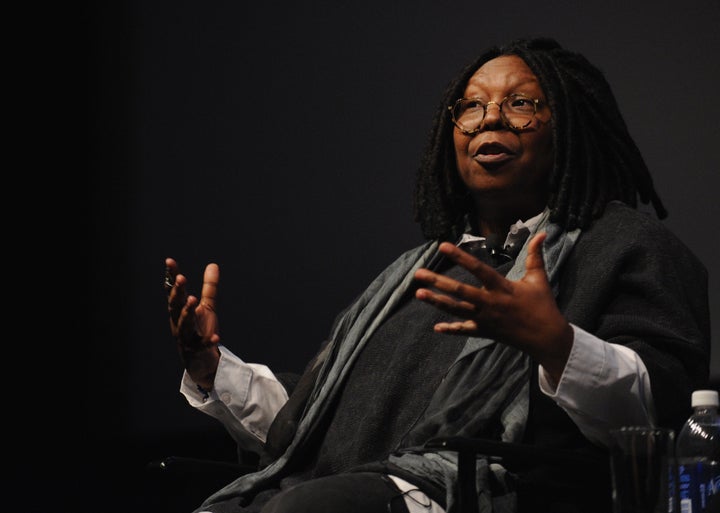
(698, 456)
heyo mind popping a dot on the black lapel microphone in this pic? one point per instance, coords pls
(489, 250)
(494, 245)
(492, 250)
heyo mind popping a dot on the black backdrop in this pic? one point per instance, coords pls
(281, 141)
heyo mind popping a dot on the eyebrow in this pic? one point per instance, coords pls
(515, 88)
(522, 76)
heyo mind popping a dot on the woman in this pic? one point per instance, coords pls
(570, 313)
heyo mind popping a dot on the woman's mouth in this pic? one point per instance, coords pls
(493, 153)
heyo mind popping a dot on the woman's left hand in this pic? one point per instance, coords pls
(520, 313)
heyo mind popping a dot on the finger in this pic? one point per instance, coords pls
(446, 303)
(534, 260)
(177, 295)
(186, 324)
(174, 284)
(488, 276)
(456, 327)
(211, 279)
(445, 284)
(171, 270)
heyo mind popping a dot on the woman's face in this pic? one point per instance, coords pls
(503, 167)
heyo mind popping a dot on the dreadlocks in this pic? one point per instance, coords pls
(596, 159)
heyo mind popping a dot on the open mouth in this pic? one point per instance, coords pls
(493, 153)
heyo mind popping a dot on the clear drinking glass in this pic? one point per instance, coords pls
(642, 464)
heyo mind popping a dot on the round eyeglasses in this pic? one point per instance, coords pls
(516, 110)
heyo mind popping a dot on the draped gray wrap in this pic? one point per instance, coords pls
(487, 381)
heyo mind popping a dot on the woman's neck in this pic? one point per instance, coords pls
(499, 218)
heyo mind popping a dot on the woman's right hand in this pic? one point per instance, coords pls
(194, 323)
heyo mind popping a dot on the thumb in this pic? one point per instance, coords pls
(211, 280)
(534, 262)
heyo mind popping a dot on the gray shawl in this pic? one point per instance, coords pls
(466, 387)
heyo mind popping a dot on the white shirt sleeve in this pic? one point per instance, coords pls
(604, 386)
(245, 398)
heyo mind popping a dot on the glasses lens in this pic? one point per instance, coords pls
(468, 113)
(518, 110)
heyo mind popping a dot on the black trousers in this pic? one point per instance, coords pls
(354, 492)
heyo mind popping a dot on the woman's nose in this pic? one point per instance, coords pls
(493, 116)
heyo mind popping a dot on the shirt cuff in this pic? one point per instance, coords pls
(586, 358)
(603, 386)
(231, 384)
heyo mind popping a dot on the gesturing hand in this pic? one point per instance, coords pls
(193, 323)
(520, 313)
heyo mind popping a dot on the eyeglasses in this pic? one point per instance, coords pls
(516, 110)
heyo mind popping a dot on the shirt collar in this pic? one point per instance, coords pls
(517, 234)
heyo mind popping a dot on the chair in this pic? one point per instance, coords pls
(176, 483)
(521, 459)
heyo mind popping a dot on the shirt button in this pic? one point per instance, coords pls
(225, 397)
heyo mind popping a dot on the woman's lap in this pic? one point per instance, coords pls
(354, 492)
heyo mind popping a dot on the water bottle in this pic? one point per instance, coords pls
(698, 456)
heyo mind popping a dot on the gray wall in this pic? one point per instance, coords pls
(190, 158)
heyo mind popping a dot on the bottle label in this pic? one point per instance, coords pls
(699, 487)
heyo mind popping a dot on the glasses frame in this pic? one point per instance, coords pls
(535, 103)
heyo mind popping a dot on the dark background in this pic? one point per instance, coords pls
(281, 140)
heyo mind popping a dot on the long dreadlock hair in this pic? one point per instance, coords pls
(596, 159)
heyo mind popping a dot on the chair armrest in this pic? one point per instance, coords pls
(171, 483)
(189, 465)
(513, 454)
(514, 457)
